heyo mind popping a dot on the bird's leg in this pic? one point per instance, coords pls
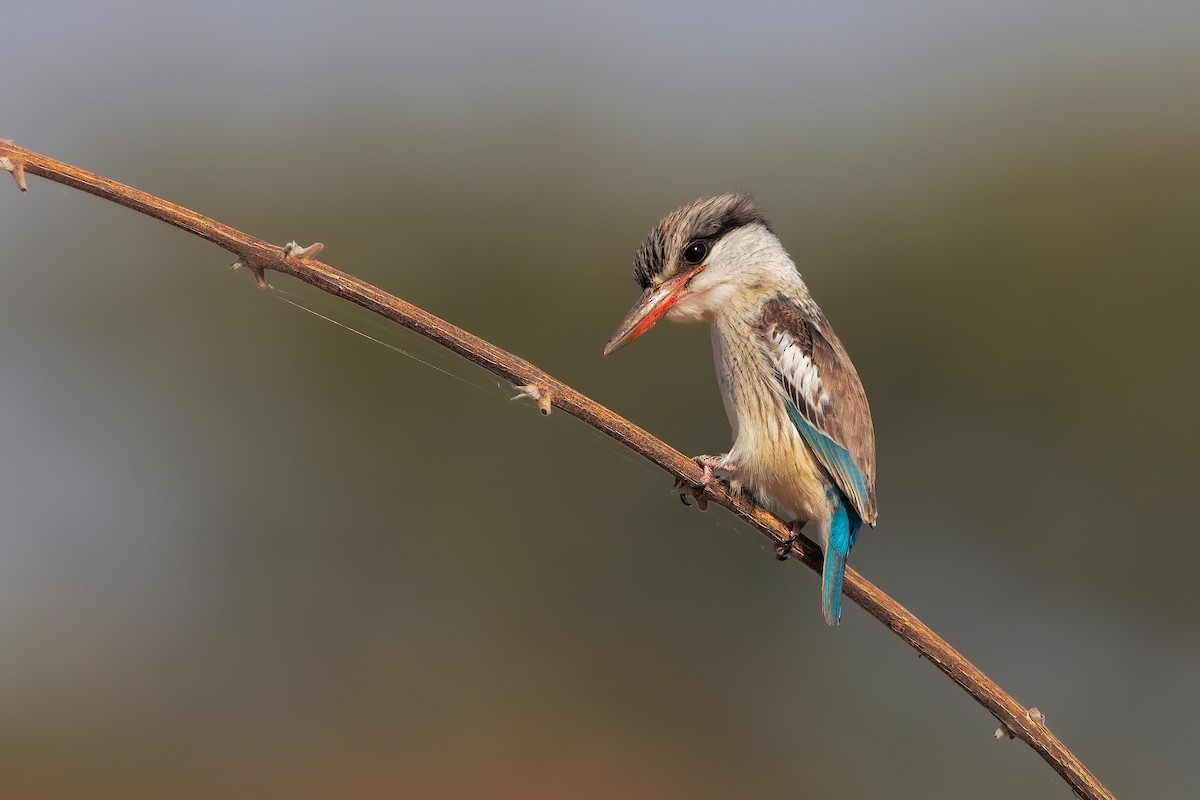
(784, 549)
(715, 469)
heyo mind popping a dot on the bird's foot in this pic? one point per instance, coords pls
(686, 490)
(783, 550)
(715, 469)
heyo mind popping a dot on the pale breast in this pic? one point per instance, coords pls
(775, 463)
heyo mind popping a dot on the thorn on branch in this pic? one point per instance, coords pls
(540, 396)
(260, 274)
(294, 250)
(1033, 715)
(14, 167)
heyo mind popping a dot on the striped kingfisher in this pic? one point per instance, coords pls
(804, 445)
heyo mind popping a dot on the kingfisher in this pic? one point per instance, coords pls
(804, 444)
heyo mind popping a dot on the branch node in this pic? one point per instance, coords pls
(1002, 731)
(14, 167)
(294, 250)
(542, 397)
(260, 274)
(1036, 716)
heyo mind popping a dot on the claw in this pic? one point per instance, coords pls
(684, 489)
(710, 464)
(783, 550)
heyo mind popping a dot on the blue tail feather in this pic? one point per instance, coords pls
(843, 530)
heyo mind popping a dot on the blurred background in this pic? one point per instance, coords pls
(245, 552)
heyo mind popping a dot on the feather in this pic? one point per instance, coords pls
(826, 401)
(843, 529)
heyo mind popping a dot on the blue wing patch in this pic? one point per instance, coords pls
(830, 453)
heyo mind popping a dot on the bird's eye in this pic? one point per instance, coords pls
(695, 252)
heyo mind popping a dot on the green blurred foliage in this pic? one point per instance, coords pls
(245, 552)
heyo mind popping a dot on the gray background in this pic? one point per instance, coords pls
(244, 552)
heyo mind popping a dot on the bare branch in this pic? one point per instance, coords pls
(259, 256)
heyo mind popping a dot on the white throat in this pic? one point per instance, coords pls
(745, 264)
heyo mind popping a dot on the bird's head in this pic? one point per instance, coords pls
(699, 257)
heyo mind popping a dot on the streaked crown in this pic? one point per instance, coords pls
(697, 226)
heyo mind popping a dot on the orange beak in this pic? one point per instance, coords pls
(650, 308)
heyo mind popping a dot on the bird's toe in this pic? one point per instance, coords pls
(783, 550)
(685, 490)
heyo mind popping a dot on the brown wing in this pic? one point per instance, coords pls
(827, 395)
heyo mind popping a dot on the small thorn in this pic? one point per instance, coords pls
(15, 168)
(260, 276)
(539, 396)
(294, 250)
(1004, 730)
